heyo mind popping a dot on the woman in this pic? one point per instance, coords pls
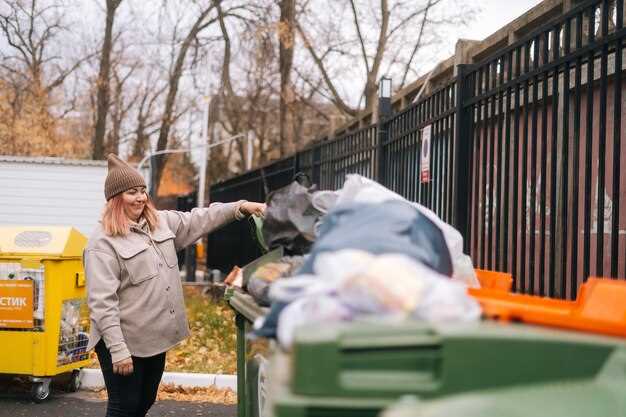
(135, 295)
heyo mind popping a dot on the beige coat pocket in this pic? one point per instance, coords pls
(139, 262)
(164, 240)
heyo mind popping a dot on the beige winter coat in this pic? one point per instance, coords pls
(134, 288)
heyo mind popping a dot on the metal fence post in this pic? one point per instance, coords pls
(296, 163)
(384, 113)
(381, 135)
(462, 139)
(316, 166)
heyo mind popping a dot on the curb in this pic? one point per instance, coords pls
(92, 379)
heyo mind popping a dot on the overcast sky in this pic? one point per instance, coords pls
(493, 15)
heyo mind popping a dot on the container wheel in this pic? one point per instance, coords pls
(74, 383)
(40, 391)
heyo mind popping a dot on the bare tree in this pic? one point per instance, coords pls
(387, 33)
(266, 88)
(102, 106)
(32, 71)
(29, 29)
(227, 97)
(124, 99)
(284, 69)
(147, 122)
(238, 112)
(202, 21)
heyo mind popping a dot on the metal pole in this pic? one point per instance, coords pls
(249, 153)
(384, 113)
(149, 179)
(205, 142)
(153, 188)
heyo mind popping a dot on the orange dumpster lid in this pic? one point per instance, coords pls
(494, 280)
(599, 308)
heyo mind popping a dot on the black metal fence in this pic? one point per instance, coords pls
(525, 156)
(232, 245)
(402, 148)
(328, 162)
(546, 123)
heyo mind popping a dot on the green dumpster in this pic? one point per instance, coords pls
(602, 394)
(360, 369)
(251, 355)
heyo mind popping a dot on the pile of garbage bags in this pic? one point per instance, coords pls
(360, 253)
(266, 275)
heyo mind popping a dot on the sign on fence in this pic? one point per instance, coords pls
(16, 304)
(425, 154)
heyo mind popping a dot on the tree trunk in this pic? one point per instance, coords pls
(371, 92)
(139, 147)
(286, 38)
(113, 144)
(102, 108)
(371, 88)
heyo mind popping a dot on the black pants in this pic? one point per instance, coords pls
(131, 395)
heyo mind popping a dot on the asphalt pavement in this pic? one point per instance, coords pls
(17, 403)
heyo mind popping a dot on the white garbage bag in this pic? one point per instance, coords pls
(358, 189)
(352, 284)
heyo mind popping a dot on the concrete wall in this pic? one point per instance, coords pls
(50, 191)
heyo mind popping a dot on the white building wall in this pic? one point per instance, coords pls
(51, 191)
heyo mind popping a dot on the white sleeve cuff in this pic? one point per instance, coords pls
(238, 213)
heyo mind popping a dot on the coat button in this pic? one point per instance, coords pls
(167, 289)
(160, 265)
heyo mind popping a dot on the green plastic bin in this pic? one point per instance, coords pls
(251, 356)
(603, 394)
(360, 369)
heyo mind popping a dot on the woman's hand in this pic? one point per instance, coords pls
(249, 208)
(123, 367)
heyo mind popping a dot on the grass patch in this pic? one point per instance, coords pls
(212, 346)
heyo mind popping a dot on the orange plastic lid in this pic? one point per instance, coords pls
(599, 308)
(493, 280)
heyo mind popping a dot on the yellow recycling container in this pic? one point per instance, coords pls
(43, 308)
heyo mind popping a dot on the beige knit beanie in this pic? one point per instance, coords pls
(121, 177)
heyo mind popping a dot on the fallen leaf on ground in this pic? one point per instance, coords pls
(173, 392)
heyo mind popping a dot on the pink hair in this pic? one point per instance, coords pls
(116, 222)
